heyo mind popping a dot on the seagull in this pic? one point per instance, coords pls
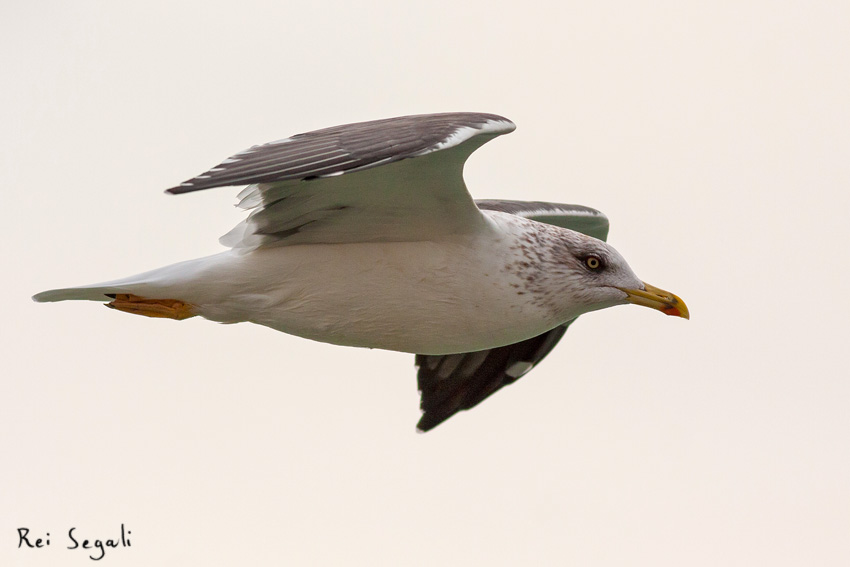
(365, 235)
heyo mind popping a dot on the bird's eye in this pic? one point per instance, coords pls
(593, 262)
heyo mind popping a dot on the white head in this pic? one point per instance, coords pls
(571, 273)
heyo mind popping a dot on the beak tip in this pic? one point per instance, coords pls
(664, 301)
(676, 312)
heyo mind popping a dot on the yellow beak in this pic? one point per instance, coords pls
(664, 301)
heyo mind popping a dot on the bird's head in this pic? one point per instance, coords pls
(597, 276)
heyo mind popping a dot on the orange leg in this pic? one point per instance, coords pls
(167, 308)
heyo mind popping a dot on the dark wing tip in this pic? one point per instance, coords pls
(180, 189)
(456, 382)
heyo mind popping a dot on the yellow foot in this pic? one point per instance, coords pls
(168, 308)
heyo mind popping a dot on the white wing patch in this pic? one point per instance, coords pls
(495, 127)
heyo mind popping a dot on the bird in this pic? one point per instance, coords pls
(365, 235)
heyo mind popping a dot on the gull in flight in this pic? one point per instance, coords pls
(365, 235)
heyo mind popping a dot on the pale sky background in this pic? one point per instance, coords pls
(714, 135)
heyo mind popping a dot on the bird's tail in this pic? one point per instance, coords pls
(94, 292)
(159, 283)
(164, 292)
(148, 284)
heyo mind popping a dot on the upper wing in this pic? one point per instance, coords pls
(574, 217)
(357, 183)
(454, 382)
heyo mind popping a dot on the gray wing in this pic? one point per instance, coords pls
(574, 217)
(386, 180)
(454, 382)
(346, 149)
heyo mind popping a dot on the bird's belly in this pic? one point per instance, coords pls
(421, 297)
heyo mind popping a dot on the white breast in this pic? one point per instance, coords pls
(422, 297)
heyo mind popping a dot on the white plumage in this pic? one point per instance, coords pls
(364, 235)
